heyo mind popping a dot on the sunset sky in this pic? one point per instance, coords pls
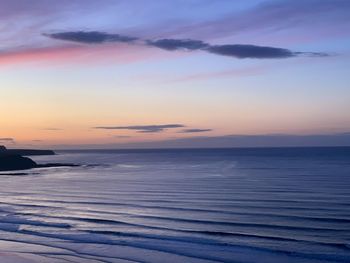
(89, 72)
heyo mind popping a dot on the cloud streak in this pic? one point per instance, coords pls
(90, 37)
(77, 54)
(142, 128)
(250, 51)
(195, 130)
(314, 18)
(178, 44)
(53, 129)
(7, 140)
(232, 50)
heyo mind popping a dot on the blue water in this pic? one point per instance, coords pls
(209, 205)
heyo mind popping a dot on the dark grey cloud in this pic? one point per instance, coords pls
(195, 130)
(90, 37)
(260, 52)
(178, 44)
(142, 128)
(250, 51)
(237, 51)
(231, 50)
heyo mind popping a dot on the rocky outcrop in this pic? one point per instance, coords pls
(15, 162)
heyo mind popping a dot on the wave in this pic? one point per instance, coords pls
(147, 207)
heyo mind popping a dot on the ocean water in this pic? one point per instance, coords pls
(218, 205)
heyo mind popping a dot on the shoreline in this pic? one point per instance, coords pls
(17, 160)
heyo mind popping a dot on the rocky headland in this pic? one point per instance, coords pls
(16, 159)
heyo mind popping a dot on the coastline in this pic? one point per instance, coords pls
(17, 160)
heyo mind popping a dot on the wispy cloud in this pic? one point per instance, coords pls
(77, 54)
(7, 140)
(142, 128)
(238, 72)
(195, 130)
(53, 129)
(269, 21)
(313, 18)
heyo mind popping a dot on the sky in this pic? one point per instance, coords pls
(89, 73)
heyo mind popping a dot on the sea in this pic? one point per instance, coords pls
(266, 205)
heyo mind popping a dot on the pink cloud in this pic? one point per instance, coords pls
(37, 55)
(120, 53)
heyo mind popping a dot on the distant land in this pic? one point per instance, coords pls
(228, 141)
(25, 152)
